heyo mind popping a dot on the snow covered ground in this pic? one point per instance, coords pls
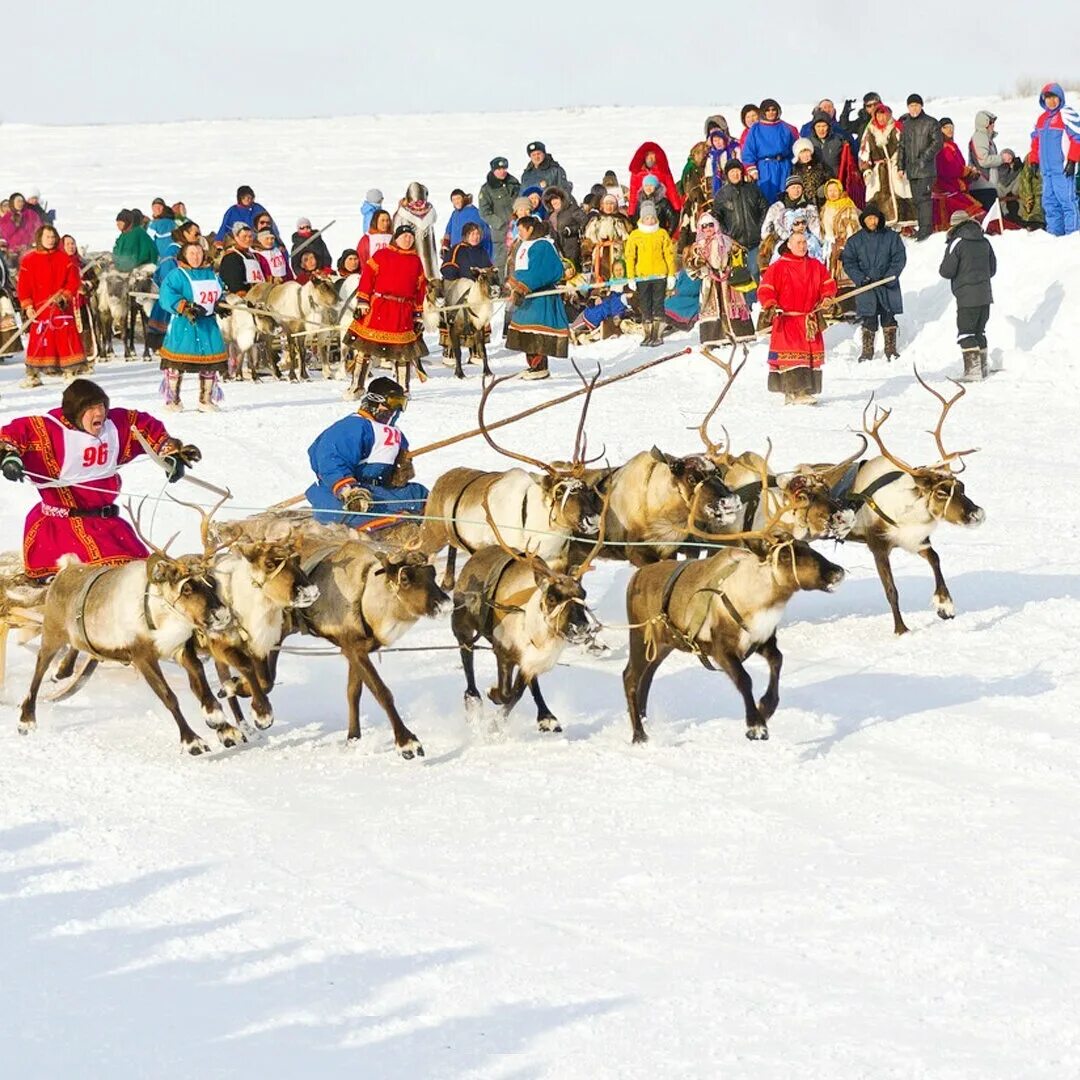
(884, 889)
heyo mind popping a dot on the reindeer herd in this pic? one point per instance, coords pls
(719, 543)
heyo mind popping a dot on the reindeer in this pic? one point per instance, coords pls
(118, 310)
(241, 336)
(722, 609)
(291, 312)
(553, 506)
(528, 612)
(468, 317)
(138, 613)
(898, 506)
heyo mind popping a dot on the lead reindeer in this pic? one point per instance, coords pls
(528, 612)
(139, 613)
(553, 505)
(721, 609)
(468, 317)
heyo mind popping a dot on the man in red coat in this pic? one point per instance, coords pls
(795, 287)
(48, 284)
(73, 454)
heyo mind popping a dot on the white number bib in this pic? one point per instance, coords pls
(387, 444)
(206, 292)
(277, 260)
(252, 270)
(86, 457)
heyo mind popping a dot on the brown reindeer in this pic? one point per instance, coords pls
(139, 613)
(552, 505)
(528, 612)
(722, 609)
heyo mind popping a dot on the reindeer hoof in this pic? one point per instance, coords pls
(26, 726)
(757, 732)
(548, 723)
(196, 747)
(263, 722)
(229, 736)
(945, 609)
(474, 708)
(640, 738)
(411, 749)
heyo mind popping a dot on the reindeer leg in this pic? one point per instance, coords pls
(756, 727)
(881, 551)
(466, 636)
(5, 628)
(261, 709)
(545, 718)
(211, 710)
(637, 680)
(481, 348)
(50, 646)
(449, 573)
(943, 601)
(407, 743)
(507, 693)
(148, 667)
(230, 690)
(774, 658)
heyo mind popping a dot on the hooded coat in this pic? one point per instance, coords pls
(969, 264)
(1055, 149)
(873, 255)
(566, 225)
(660, 169)
(318, 245)
(415, 210)
(983, 153)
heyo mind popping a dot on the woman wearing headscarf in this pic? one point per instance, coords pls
(720, 149)
(18, 226)
(605, 236)
(792, 208)
(81, 304)
(192, 293)
(415, 211)
(886, 187)
(390, 299)
(951, 188)
(723, 308)
(839, 222)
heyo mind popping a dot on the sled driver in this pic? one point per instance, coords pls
(363, 473)
(73, 455)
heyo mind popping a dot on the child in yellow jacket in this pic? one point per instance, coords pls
(650, 259)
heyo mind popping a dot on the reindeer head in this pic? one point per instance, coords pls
(938, 485)
(322, 295)
(411, 578)
(796, 565)
(276, 571)
(701, 486)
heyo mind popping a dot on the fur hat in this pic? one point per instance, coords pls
(80, 395)
(914, 99)
(521, 203)
(751, 107)
(733, 165)
(303, 223)
(770, 103)
(799, 146)
(820, 117)
(647, 209)
(534, 146)
(958, 218)
(374, 195)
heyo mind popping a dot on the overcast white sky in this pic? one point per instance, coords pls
(75, 62)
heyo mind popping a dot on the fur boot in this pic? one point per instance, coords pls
(891, 351)
(973, 371)
(984, 362)
(868, 337)
(172, 391)
(538, 367)
(207, 386)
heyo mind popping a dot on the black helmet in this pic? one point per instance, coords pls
(384, 393)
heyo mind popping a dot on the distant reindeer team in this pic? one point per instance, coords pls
(719, 544)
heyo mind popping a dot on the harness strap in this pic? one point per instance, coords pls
(83, 642)
(452, 527)
(491, 591)
(867, 496)
(317, 557)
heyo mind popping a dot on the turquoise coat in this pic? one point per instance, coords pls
(190, 346)
(539, 323)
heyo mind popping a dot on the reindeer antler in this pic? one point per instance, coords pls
(874, 431)
(586, 564)
(136, 521)
(727, 366)
(205, 519)
(581, 440)
(946, 457)
(543, 466)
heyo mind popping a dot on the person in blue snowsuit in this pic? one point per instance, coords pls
(1055, 151)
(464, 213)
(372, 202)
(361, 463)
(767, 151)
(245, 209)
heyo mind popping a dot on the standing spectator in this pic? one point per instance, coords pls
(969, 264)
(650, 266)
(798, 286)
(984, 158)
(193, 344)
(810, 169)
(722, 148)
(272, 256)
(80, 304)
(566, 222)
(1055, 150)
(748, 115)
(951, 186)
(180, 214)
(304, 239)
(377, 236)
(419, 215)
(610, 184)
(133, 247)
(496, 202)
(1008, 187)
(544, 171)
(650, 160)
(767, 150)
(827, 143)
(162, 223)
(741, 208)
(839, 222)
(243, 210)
(605, 236)
(654, 192)
(19, 226)
(879, 159)
(464, 213)
(873, 253)
(539, 327)
(920, 144)
(794, 210)
(372, 202)
(48, 284)
(722, 304)
(855, 127)
(10, 338)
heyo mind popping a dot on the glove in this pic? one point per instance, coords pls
(190, 314)
(175, 467)
(221, 308)
(1070, 168)
(61, 302)
(670, 284)
(12, 467)
(189, 454)
(630, 286)
(356, 500)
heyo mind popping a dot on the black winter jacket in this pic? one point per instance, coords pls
(969, 264)
(741, 209)
(566, 225)
(318, 245)
(920, 143)
(873, 255)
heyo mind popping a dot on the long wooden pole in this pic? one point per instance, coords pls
(473, 432)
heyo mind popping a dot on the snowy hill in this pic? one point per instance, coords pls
(882, 890)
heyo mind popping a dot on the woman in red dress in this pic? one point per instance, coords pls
(81, 306)
(389, 304)
(951, 191)
(73, 454)
(48, 284)
(796, 286)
